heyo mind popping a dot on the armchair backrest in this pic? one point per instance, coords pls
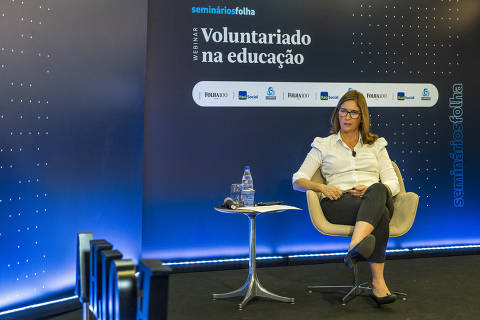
(399, 177)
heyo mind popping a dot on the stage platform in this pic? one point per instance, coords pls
(438, 288)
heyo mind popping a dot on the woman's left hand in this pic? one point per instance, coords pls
(358, 191)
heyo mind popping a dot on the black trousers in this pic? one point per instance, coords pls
(375, 207)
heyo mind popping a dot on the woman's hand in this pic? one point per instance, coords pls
(358, 191)
(331, 192)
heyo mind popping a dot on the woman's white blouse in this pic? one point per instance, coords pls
(340, 168)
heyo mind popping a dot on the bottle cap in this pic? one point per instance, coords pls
(247, 168)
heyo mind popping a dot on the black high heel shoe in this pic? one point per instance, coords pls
(390, 298)
(362, 251)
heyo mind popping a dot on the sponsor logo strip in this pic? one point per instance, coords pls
(310, 94)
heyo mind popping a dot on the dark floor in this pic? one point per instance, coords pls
(438, 288)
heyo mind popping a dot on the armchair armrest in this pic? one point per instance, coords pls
(319, 220)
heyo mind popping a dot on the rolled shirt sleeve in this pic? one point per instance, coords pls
(312, 161)
(385, 168)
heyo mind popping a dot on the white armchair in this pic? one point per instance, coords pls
(405, 208)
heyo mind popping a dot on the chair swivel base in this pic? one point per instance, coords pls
(354, 291)
(250, 289)
(356, 288)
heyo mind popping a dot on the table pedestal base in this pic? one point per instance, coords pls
(250, 289)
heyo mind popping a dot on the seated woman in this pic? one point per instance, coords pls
(360, 183)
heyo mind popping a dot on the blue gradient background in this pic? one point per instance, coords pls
(94, 147)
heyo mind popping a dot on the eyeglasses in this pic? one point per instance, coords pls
(354, 114)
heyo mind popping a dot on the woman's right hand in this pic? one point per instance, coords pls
(331, 192)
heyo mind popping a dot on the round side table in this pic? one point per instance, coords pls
(252, 286)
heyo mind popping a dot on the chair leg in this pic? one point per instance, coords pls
(356, 288)
(310, 288)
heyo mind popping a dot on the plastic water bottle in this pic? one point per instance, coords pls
(248, 193)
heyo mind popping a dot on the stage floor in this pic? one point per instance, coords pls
(438, 288)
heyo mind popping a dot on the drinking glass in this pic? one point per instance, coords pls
(236, 191)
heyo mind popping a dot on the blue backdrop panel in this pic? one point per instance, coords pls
(72, 82)
(193, 154)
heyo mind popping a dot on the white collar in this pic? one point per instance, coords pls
(339, 138)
